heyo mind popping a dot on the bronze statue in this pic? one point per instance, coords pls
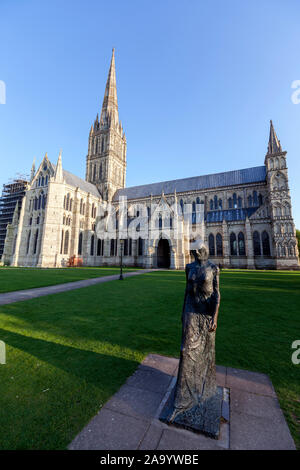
(196, 401)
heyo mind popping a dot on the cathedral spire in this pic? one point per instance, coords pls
(110, 101)
(58, 176)
(274, 144)
(32, 173)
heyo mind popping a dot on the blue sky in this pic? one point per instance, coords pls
(198, 82)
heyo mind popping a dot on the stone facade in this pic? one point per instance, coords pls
(247, 215)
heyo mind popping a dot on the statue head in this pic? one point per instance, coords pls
(199, 250)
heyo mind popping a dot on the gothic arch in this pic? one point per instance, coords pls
(265, 243)
(211, 244)
(233, 244)
(219, 245)
(241, 244)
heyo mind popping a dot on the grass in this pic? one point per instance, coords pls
(68, 353)
(12, 279)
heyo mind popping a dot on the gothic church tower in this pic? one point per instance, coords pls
(283, 229)
(106, 159)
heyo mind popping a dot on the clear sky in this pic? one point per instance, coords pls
(198, 82)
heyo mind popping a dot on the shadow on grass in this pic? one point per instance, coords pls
(97, 369)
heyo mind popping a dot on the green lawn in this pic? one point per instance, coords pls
(68, 353)
(12, 279)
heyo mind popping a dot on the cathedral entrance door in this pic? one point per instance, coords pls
(163, 254)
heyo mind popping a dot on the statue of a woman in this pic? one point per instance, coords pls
(196, 401)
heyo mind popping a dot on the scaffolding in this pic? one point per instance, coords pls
(12, 194)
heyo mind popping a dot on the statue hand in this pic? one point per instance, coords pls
(212, 325)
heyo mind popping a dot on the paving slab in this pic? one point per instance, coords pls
(152, 437)
(221, 375)
(111, 431)
(165, 364)
(129, 420)
(253, 404)
(249, 432)
(131, 401)
(174, 439)
(20, 295)
(148, 378)
(249, 381)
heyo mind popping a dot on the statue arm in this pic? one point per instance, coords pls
(217, 298)
(185, 293)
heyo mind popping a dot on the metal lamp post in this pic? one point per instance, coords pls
(121, 278)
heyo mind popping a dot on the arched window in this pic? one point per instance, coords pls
(80, 244)
(211, 205)
(265, 243)
(216, 202)
(100, 172)
(66, 244)
(220, 204)
(256, 244)
(83, 208)
(28, 241)
(100, 247)
(194, 213)
(234, 201)
(219, 244)
(198, 200)
(44, 201)
(40, 201)
(255, 199)
(81, 203)
(171, 222)
(112, 247)
(94, 173)
(92, 212)
(160, 221)
(64, 202)
(35, 241)
(241, 243)
(62, 242)
(92, 245)
(43, 181)
(287, 209)
(71, 204)
(67, 201)
(140, 247)
(130, 246)
(239, 202)
(260, 200)
(230, 203)
(181, 205)
(250, 200)
(233, 244)
(211, 245)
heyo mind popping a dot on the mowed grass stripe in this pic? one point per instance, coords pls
(13, 279)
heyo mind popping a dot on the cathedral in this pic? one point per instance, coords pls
(244, 216)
